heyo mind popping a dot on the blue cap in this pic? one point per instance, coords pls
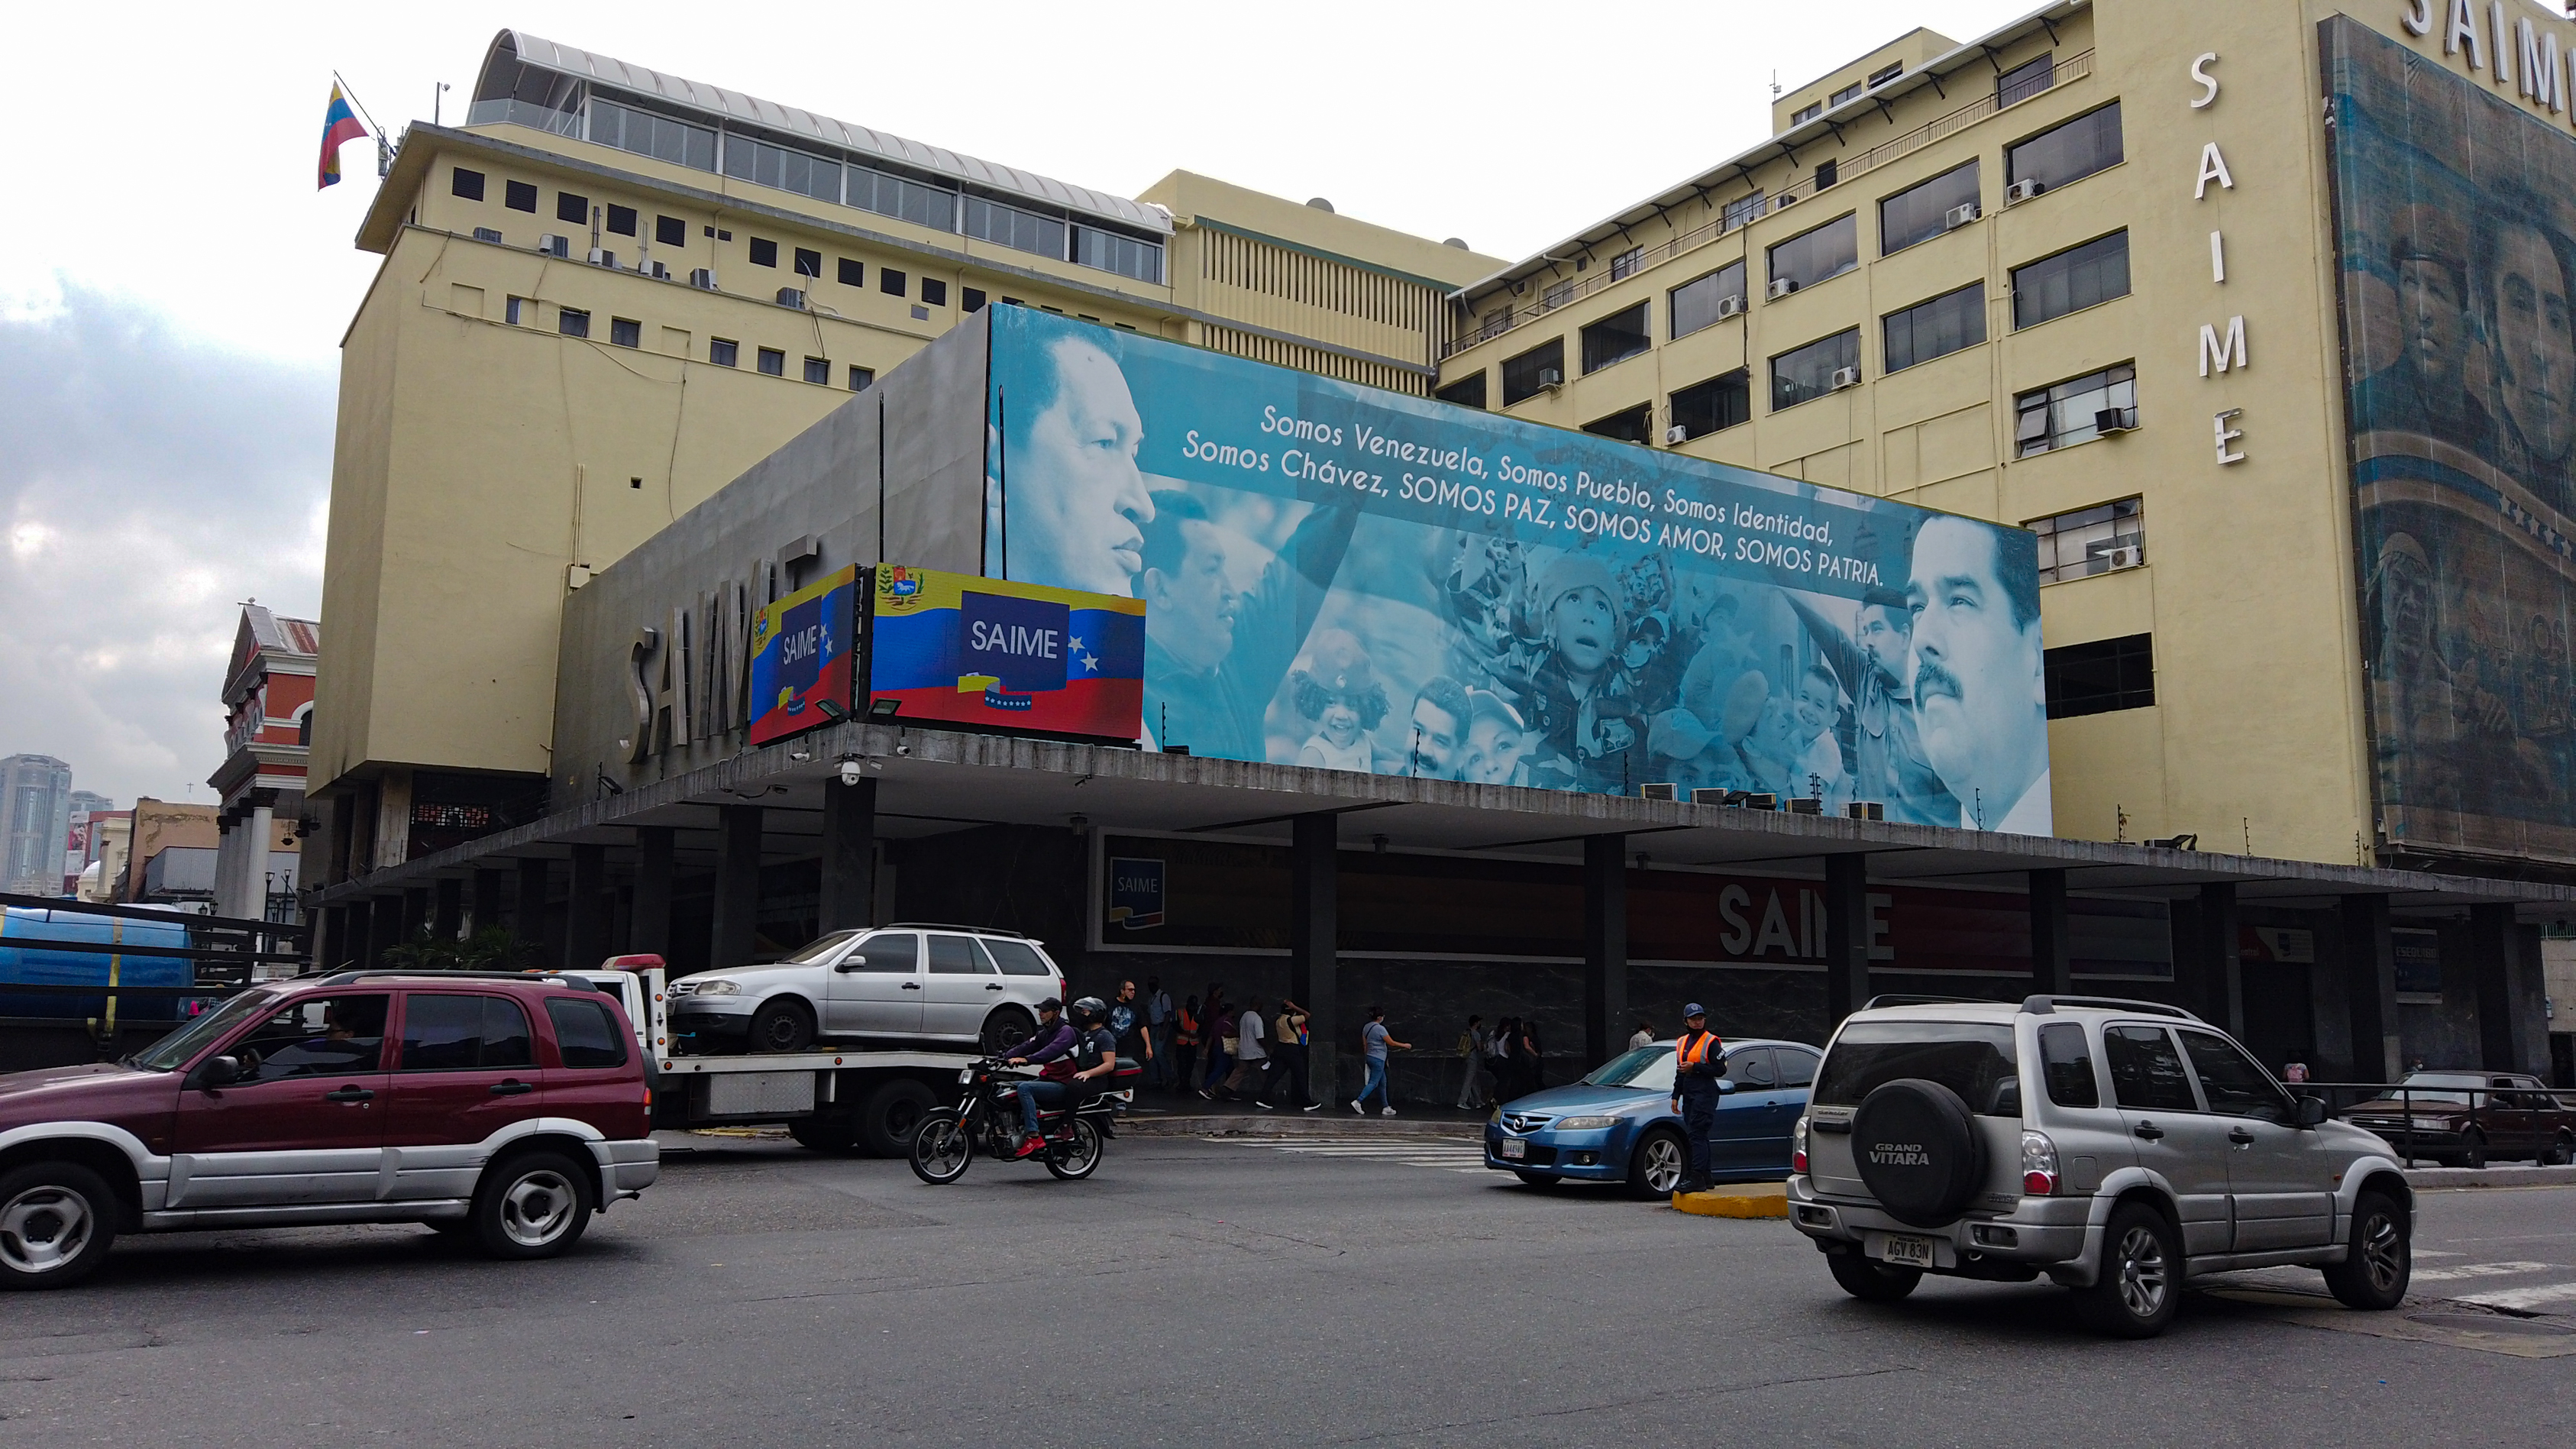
(1694, 1009)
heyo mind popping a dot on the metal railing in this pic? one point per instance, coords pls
(2434, 1123)
(225, 956)
(1729, 221)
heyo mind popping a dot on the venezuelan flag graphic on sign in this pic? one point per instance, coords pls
(801, 659)
(974, 650)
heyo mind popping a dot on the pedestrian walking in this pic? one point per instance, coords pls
(1374, 1041)
(1220, 1040)
(1471, 1054)
(1645, 1036)
(1127, 1023)
(1158, 1033)
(1533, 1056)
(1699, 1059)
(1500, 1061)
(1251, 1057)
(1185, 1045)
(1290, 1059)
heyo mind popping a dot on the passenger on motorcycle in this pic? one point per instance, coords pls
(1068, 1060)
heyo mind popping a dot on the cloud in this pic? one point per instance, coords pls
(148, 482)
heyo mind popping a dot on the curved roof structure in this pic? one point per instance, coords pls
(718, 104)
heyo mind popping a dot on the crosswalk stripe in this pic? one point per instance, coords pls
(2481, 1270)
(2524, 1299)
(1446, 1156)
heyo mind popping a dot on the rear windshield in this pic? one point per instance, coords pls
(2426, 1087)
(1975, 1061)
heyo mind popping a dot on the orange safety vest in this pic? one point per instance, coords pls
(1693, 1050)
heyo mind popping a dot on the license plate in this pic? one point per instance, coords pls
(1514, 1149)
(1912, 1252)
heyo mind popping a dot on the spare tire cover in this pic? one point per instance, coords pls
(1916, 1145)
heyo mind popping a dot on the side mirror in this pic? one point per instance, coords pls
(1726, 1086)
(2312, 1112)
(219, 1072)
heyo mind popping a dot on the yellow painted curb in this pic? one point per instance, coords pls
(1749, 1200)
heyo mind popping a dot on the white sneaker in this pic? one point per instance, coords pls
(1311, 1106)
(1386, 1111)
(1357, 1108)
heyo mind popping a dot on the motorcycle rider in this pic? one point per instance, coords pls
(1066, 1055)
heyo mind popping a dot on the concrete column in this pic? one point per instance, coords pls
(2491, 953)
(528, 913)
(227, 861)
(2370, 989)
(1314, 927)
(384, 928)
(488, 891)
(1846, 936)
(415, 914)
(648, 931)
(447, 912)
(586, 908)
(2222, 964)
(2052, 957)
(849, 894)
(253, 887)
(737, 903)
(330, 938)
(1605, 945)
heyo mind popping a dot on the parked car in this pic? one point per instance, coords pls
(500, 1108)
(2121, 1148)
(2464, 1118)
(910, 982)
(1618, 1124)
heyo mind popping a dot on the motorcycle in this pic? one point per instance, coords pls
(987, 1120)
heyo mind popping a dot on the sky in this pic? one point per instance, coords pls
(169, 329)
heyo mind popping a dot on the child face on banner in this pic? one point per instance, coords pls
(1815, 707)
(1584, 628)
(1340, 722)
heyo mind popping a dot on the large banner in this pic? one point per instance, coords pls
(801, 657)
(1016, 656)
(2454, 220)
(1343, 577)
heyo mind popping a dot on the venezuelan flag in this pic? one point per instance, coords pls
(339, 127)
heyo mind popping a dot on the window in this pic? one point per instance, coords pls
(572, 208)
(1011, 227)
(304, 725)
(318, 1037)
(773, 362)
(1616, 338)
(851, 272)
(2232, 1083)
(621, 220)
(1936, 328)
(890, 281)
(625, 332)
(519, 310)
(2102, 676)
(1627, 264)
(2066, 1063)
(455, 1033)
(934, 291)
(819, 369)
(2079, 544)
(1742, 211)
(586, 1035)
(1016, 958)
(1797, 1068)
(1750, 1069)
(764, 253)
(647, 134)
(862, 378)
(519, 196)
(1977, 1061)
(809, 264)
(957, 956)
(1819, 255)
(2025, 80)
(1805, 372)
(670, 231)
(1466, 392)
(487, 234)
(1715, 405)
(1919, 213)
(1541, 366)
(2146, 1071)
(766, 165)
(1885, 73)
(1847, 93)
(970, 299)
(2071, 152)
(2071, 281)
(722, 351)
(2071, 412)
(898, 951)
(886, 195)
(1628, 425)
(1694, 303)
(467, 184)
(1806, 113)
(572, 323)
(1110, 252)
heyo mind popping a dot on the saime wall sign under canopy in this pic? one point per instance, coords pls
(2457, 241)
(1344, 577)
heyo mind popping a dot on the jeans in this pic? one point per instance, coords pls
(1219, 1063)
(1699, 1119)
(1158, 1065)
(1036, 1094)
(1468, 1094)
(1375, 1082)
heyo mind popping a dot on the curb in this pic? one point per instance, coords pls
(1750, 1200)
(2432, 1177)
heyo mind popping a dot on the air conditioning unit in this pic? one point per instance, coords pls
(1710, 795)
(555, 246)
(602, 257)
(2127, 556)
(657, 271)
(2115, 420)
(2023, 190)
(703, 278)
(1846, 377)
(1780, 287)
(1656, 792)
(487, 234)
(1959, 216)
(791, 297)
(1676, 435)
(1806, 805)
(1551, 377)
(1865, 810)
(1729, 307)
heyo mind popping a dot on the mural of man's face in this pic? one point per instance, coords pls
(1435, 739)
(2437, 319)
(2406, 601)
(2534, 348)
(1191, 611)
(1979, 688)
(1076, 499)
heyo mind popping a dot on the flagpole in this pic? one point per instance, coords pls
(384, 148)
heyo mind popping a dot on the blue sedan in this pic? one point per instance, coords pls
(1618, 1124)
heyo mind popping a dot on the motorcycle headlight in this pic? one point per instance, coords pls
(1586, 1124)
(718, 988)
(966, 1078)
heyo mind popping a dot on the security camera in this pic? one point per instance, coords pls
(852, 772)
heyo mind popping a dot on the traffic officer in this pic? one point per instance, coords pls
(1699, 1059)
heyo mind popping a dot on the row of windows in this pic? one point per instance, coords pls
(721, 351)
(1276, 271)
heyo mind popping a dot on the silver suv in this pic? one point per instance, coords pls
(2120, 1147)
(909, 982)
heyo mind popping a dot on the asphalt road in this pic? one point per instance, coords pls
(1215, 1293)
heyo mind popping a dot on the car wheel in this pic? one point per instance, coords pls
(784, 1025)
(2473, 1149)
(1872, 1282)
(1656, 1168)
(2381, 1257)
(56, 1222)
(2560, 1153)
(1006, 1027)
(942, 1148)
(1537, 1179)
(834, 1133)
(892, 1114)
(2141, 1284)
(1075, 1161)
(534, 1204)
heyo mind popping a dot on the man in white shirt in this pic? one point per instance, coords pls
(1251, 1059)
(1645, 1036)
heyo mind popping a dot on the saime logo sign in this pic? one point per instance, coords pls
(972, 650)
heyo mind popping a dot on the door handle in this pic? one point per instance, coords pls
(2150, 1131)
(912, 986)
(348, 1095)
(2240, 1136)
(512, 1088)
(992, 986)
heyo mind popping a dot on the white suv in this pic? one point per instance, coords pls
(909, 982)
(2120, 1147)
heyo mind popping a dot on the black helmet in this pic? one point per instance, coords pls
(1089, 1012)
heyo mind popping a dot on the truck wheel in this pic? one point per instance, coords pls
(534, 1204)
(784, 1025)
(2141, 1284)
(1872, 1282)
(1007, 1027)
(832, 1133)
(56, 1222)
(891, 1115)
(2381, 1259)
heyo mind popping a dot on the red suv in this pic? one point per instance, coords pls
(506, 1109)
